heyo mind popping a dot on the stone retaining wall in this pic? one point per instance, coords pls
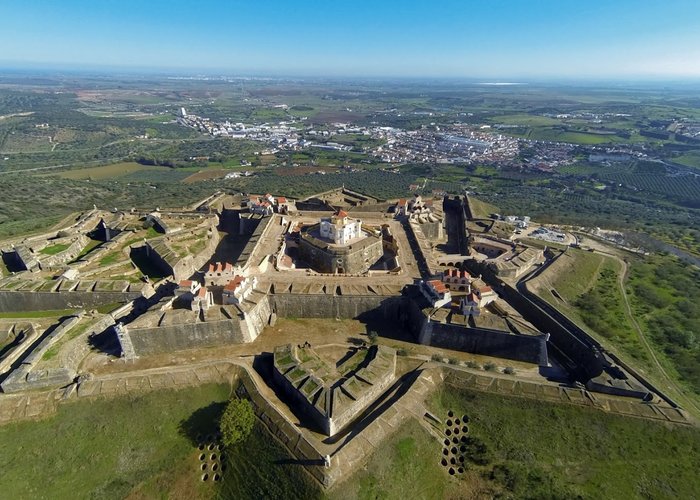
(42, 301)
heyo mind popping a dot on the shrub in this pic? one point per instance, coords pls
(509, 370)
(237, 421)
(373, 336)
(472, 364)
(453, 361)
(489, 367)
(436, 357)
(401, 352)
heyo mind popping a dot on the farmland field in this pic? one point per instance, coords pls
(691, 159)
(112, 171)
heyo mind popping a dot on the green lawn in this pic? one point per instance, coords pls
(54, 249)
(522, 448)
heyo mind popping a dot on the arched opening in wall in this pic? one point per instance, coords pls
(340, 270)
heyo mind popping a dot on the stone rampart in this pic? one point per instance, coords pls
(75, 247)
(186, 336)
(293, 305)
(42, 301)
(487, 342)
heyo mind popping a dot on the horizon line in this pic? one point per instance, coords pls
(505, 80)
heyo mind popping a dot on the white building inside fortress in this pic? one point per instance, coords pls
(340, 228)
(238, 289)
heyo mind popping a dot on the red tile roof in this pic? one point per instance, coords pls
(341, 213)
(202, 292)
(234, 283)
(281, 199)
(438, 286)
(185, 283)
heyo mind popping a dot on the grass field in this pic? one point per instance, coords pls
(691, 159)
(54, 249)
(141, 446)
(50, 313)
(581, 264)
(110, 448)
(526, 120)
(262, 468)
(110, 171)
(584, 285)
(551, 134)
(481, 209)
(406, 466)
(522, 448)
(92, 244)
(665, 296)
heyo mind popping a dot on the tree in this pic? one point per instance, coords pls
(237, 421)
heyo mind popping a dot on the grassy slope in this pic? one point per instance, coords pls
(406, 466)
(106, 448)
(532, 449)
(587, 283)
(665, 293)
(51, 313)
(262, 468)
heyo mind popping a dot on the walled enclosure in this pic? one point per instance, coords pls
(324, 257)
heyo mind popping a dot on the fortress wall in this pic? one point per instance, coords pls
(186, 336)
(486, 342)
(301, 404)
(336, 306)
(571, 343)
(42, 301)
(287, 433)
(570, 346)
(68, 254)
(459, 209)
(431, 230)
(257, 318)
(364, 399)
(426, 263)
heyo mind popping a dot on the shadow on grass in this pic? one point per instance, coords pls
(202, 423)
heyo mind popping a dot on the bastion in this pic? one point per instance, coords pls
(330, 397)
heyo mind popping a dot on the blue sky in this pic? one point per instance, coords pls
(468, 38)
